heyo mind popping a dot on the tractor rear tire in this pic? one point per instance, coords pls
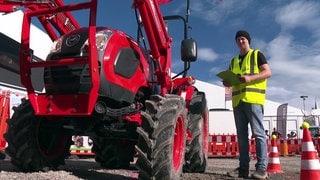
(34, 142)
(196, 156)
(113, 153)
(162, 138)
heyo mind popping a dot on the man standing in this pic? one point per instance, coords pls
(248, 99)
(276, 133)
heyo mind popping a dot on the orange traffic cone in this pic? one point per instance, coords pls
(274, 161)
(310, 165)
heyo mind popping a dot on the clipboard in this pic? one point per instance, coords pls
(229, 77)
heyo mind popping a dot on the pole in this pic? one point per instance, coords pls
(304, 107)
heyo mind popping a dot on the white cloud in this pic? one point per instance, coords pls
(295, 70)
(207, 54)
(214, 70)
(215, 11)
(298, 14)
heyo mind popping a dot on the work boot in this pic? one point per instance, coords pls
(238, 173)
(260, 174)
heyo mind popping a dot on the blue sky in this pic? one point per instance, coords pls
(286, 31)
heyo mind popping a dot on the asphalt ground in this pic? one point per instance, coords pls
(289, 165)
(77, 168)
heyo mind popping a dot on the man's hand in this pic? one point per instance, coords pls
(265, 73)
(245, 78)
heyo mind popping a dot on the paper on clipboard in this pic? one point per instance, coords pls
(229, 77)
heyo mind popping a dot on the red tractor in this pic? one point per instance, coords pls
(119, 91)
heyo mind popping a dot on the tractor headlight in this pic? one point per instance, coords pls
(56, 46)
(102, 38)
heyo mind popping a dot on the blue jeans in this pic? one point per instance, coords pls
(244, 114)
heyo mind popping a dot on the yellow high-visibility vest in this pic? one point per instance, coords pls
(253, 92)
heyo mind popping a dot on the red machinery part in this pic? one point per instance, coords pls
(4, 115)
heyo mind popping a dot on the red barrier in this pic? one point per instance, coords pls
(81, 151)
(218, 147)
(221, 145)
(4, 115)
(294, 146)
(232, 146)
(316, 142)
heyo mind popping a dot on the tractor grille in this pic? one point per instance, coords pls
(67, 79)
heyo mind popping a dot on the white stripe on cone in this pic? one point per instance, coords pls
(312, 164)
(308, 146)
(274, 160)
